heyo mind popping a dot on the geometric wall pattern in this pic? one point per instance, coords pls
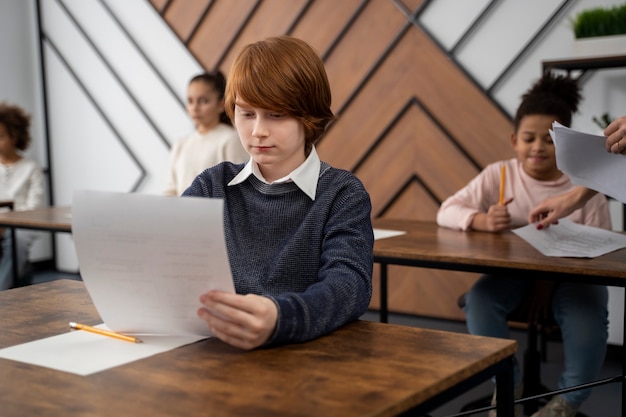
(410, 123)
(419, 88)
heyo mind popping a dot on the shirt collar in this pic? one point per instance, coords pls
(305, 176)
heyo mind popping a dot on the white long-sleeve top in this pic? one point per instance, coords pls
(483, 191)
(22, 182)
(197, 152)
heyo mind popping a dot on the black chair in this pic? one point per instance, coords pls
(534, 354)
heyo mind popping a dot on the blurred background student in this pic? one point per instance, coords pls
(214, 139)
(21, 181)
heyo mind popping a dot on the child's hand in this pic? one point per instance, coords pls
(243, 321)
(497, 218)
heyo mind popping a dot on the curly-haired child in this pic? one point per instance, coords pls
(21, 181)
(579, 309)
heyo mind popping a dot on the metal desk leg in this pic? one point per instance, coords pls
(14, 261)
(624, 362)
(504, 392)
(383, 293)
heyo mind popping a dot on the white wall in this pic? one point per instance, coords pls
(115, 100)
(124, 75)
(20, 82)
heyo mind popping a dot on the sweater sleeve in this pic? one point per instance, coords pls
(596, 212)
(35, 193)
(458, 211)
(344, 289)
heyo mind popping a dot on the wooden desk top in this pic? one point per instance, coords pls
(363, 369)
(57, 219)
(428, 245)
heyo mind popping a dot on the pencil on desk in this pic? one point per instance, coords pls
(502, 178)
(103, 332)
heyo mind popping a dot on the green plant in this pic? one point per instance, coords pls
(603, 121)
(600, 22)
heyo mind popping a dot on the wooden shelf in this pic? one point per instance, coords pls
(585, 63)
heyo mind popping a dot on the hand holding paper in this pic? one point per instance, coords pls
(584, 158)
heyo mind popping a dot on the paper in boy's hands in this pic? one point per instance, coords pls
(146, 259)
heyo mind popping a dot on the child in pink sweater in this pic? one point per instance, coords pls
(531, 177)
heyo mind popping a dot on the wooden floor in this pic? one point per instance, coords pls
(605, 401)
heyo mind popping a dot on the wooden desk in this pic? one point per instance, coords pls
(363, 369)
(429, 246)
(49, 219)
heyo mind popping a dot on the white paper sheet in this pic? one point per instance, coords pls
(569, 239)
(84, 353)
(146, 259)
(585, 160)
(385, 233)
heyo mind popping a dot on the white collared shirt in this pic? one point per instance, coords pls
(305, 176)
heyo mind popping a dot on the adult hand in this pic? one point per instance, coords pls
(616, 136)
(550, 210)
(243, 321)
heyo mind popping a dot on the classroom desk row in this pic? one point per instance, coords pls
(362, 369)
(425, 245)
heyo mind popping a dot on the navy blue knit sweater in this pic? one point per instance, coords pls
(313, 258)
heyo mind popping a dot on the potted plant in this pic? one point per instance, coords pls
(600, 31)
(603, 121)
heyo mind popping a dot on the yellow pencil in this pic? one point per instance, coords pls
(103, 332)
(502, 178)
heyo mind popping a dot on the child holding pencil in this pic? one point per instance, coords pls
(298, 232)
(500, 198)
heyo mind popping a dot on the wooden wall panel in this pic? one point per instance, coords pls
(270, 18)
(402, 155)
(159, 5)
(336, 16)
(180, 12)
(361, 48)
(410, 124)
(219, 27)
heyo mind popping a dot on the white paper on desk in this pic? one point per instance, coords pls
(385, 233)
(569, 239)
(146, 259)
(585, 160)
(84, 353)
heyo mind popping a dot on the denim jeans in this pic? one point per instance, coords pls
(580, 310)
(24, 243)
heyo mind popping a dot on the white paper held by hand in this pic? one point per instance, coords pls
(585, 160)
(146, 259)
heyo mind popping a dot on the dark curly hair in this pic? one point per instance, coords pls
(17, 123)
(556, 95)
